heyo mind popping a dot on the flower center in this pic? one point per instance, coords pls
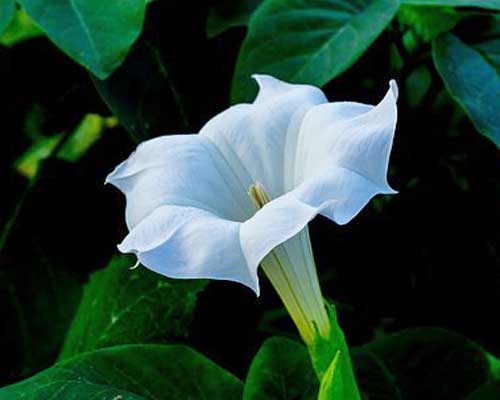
(258, 195)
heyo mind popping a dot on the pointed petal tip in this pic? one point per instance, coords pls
(394, 89)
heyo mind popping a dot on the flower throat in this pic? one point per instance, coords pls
(290, 268)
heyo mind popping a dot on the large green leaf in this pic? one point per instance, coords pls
(281, 370)
(308, 41)
(38, 299)
(122, 306)
(491, 4)
(431, 363)
(7, 10)
(488, 391)
(472, 80)
(143, 95)
(95, 33)
(132, 372)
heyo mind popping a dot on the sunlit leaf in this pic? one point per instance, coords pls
(74, 147)
(133, 372)
(85, 135)
(123, 306)
(331, 383)
(472, 80)
(331, 356)
(308, 42)
(29, 162)
(95, 33)
(20, 29)
(429, 22)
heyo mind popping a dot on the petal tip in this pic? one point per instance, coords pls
(394, 89)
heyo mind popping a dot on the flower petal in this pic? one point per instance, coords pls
(186, 242)
(256, 138)
(184, 170)
(343, 155)
(350, 135)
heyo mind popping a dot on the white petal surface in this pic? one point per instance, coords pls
(185, 242)
(255, 138)
(184, 170)
(343, 155)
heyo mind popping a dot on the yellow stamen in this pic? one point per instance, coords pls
(258, 195)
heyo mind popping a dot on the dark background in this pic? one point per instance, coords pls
(424, 257)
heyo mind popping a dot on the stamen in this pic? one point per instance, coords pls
(258, 195)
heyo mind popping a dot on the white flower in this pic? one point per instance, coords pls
(241, 192)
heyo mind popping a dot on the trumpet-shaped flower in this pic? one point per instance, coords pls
(241, 192)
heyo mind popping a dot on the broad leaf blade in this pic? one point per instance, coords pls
(38, 299)
(122, 306)
(309, 42)
(7, 10)
(281, 370)
(143, 95)
(472, 80)
(133, 372)
(490, 4)
(431, 363)
(95, 33)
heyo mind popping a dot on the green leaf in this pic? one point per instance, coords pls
(472, 80)
(7, 11)
(309, 42)
(374, 379)
(42, 148)
(324, 352)
(490, 4)
(132, 372)
(418, 85)
(84, 136)
(228, 14)
(20, 29)
(429, 22)
(143, 95)
(123, 306)
(95, 33)
(38, 299)
(281, 370)
(488, 391)
(431, 363)
(74, 147)
(331, 383)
